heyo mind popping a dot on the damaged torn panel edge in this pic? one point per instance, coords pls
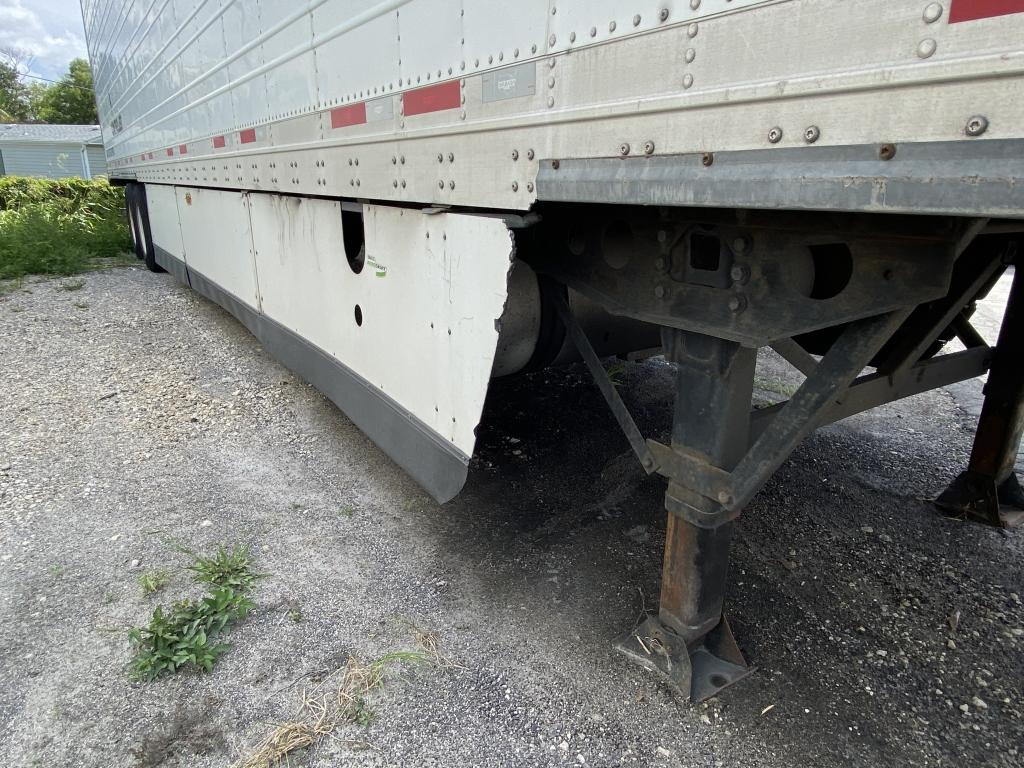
(414, 375)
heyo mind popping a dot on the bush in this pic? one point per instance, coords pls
(56, 226)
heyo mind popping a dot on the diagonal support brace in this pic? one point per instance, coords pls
(600, 376)
(727, 493)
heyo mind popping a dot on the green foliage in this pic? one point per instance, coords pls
(227, 569)
(359, 712)
(13, 95)
(186, 635)
(617, 373)
(153, 581)
(55, 226)
(68, 102)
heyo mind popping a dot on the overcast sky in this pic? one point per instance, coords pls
(50, 29)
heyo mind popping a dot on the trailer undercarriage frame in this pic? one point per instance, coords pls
(722, 452)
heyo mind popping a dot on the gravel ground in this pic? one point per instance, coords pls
(138, 416)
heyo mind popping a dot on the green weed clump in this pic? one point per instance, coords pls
(58, 226)
(187, 634)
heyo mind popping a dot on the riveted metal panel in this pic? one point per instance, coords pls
(718, 77)
(360, 60)
(248, 96)
(291, 83)
(496, 33)
(430, 45)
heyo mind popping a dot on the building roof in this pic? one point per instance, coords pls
(70, 134)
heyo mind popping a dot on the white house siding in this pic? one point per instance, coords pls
(51, 160)
(97, 161)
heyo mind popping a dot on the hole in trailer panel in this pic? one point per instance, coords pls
(833, 269)
(354, 236)
(359, 315)
(617, 244)
(705, 252)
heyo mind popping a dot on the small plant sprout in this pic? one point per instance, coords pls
(225, 569)
(347, 511)
(617, 373)
(153, 581)
(71, 285)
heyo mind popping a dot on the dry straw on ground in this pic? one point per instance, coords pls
(336, 701)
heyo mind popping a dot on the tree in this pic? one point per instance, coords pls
(13, 95)
(36, 92)
(70, 101)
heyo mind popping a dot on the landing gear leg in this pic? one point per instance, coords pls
(988, 491)
(689, 642)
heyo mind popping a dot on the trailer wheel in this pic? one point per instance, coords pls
(130, 198)
(143, 236)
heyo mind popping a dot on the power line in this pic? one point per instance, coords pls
(57, 82)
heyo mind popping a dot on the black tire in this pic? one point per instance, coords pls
(141, 219)
(130, 210)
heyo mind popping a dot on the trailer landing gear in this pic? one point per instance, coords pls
(886, 296)
(689, 642)
(988, 491)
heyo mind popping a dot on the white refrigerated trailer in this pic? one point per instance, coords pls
(405, 198)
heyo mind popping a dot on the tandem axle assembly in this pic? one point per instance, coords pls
(885, 298)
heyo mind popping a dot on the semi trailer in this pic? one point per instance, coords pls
(404, 199)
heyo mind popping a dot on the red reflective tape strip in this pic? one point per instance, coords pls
(353, 114)
(971, 10)
(247, 136)
(183, 149)
(170, 152)
(218, 142)
(433, 98)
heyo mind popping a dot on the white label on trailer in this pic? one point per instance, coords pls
(380, 109)
(510, 83)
